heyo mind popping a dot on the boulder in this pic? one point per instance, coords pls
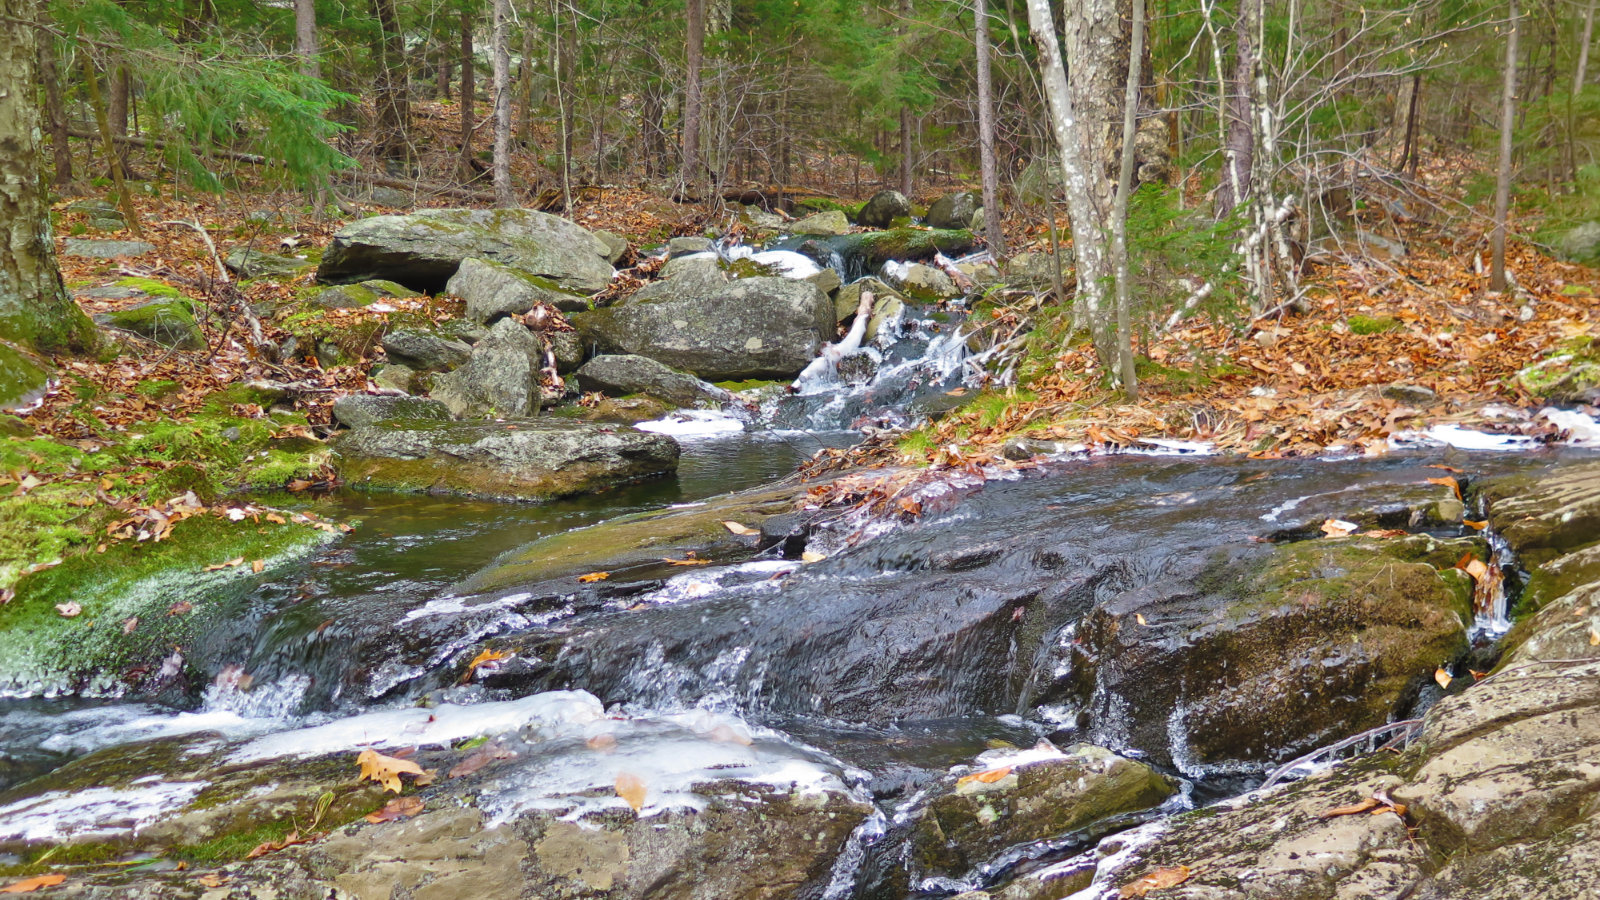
(685, 246)
(1034, 271)
(93, 249)
(500, 378)
(830, 222)
(522, 459)
(616, 246)
(750, 328)
(345, 296)
(24, 377)
(567, 346)
(622, 374)
(883, 209)
(248, 263)
(953, 210)
(760, 219)
(923, 282)
(356, 410)
(396, 376)
(1322, 639)
(1569, 376)
(1013, 799)
(827, 281)
(690, 275)
(424, 350)
(493, 291)
(848, 300)
(169, 321)
(1580, 244)
(424, 249)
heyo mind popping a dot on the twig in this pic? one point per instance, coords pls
(222, 270)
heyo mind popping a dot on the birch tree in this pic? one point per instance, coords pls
(1502, 185)
(501, 39)
(1119, 212)
(986, 163)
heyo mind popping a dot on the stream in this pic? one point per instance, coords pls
(905, 648)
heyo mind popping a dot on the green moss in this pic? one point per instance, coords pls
(157, 389)
(751, 384)
(1373, 324)
(151, 287)
(234, 845)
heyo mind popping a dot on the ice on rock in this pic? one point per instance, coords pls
(94, 813)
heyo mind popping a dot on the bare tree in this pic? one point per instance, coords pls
(689, 173)
(305, 37)
(1582, 73)
(1502, 185)
(55, 109)
(501, 39)
(469, 95)
(390, 90)
(991, 179)
(1119, 213)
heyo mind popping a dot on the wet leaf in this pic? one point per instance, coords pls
(1476, 526)
(602, 743)
(69, 609)
(1353, 809)
(1155, 881)
(484, 658)
(685, 562)
(727, 734)
(743, 530)
(29, 885)
(1442, 677)
(811, 557)
(181, 608)
(1448, 482)
(988, 776)
(1476, 569)
(265, 847)
(386, 770)
(211, 880)
(630, 788)
(592, 577)
(477, 759)
(397, 808)
(1139, 617)
(1444, 467)
(1339, 528)
(1384, 533)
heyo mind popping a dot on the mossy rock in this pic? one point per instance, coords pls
(169, 321)
(874, 248)
(1365, 325)
(1570, 375)
(24, 376)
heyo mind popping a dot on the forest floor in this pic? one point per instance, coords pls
(1377, 348)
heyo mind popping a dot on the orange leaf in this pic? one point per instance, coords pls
(630, 787)
(1366, 805)
(1442, 677)
(485, 656)
(386, 770)
(28, 886)
(1475, 526)
(397, 808)
(686, 562)
(258, 565)
(593, 577)
(1448, 482)
(988, 776)
(1155, 881)
(742, 530)
(1338, 528)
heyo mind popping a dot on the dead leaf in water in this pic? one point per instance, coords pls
(1448, 482)
(386, 770)
(742, 530)
(1476, 526)
(29, 885)
(397, 808)
(479, 758)
(592, 577)
(686, 562)
(988, 776)
(1155, 881)
(1442, 677)
(630, 787)
(1477, 569)
(484, 658)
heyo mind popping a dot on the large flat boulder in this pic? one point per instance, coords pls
(750, 328)
(620, 374)
(525, 459)
(424, 249)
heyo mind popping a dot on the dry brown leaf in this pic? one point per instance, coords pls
(265, 847)
(211, 880)
(1338, 528)
(396, 808)
(742, 530)
(181, 608)
(630, 787)
(1442, 677)
(29, 885)
(386, 770)
(1354, 809)
(592, 577)
(1155, 881)
(258, 565)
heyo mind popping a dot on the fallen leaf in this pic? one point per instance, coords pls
(1139, 617)
(1444, 467)
(211, 880)
(29, 885)
(386, 770)
(592, 577)
(1442, 677)
(743, 530)
(258, 565)
(811, 557)
(1477, 569)
(182, 607)
(685, 562)
(69, 609)
(602, 743)
(1384, 533)
(727, 734)
(1475, 526)
(1155, 881)
(988, 776)
(1448, 482)
(1594, 637)
(396, 808)
(1353, 809)
(483, 658)
(477, 759)
(129, 624)
(265, 847)
(1338, 528)
(1476, 675)
(630, 787)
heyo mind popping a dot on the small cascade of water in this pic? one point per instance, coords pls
(1490, 602)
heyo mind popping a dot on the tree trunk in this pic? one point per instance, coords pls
(1079, 173)
(119, 177)
(35, 309)
(689, 174)
(502, 104)
(1238, 152)
(1582, 74)
(1119, 213)
(525, 121)
(469, 96)
(986, 163)
(305, 37)
(905, 119)
(55, 110)
(1502, 185)
(391, 138)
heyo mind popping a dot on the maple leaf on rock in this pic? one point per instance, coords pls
(385, 770)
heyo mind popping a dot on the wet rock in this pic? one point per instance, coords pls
(827, 281)
(424, 249)
(924, 282)
(883, 208)
(1548, 512)
(493, 291)
(1321, 639)
(751, 328)
(1408, 393)
(973, 820)
(169, 321)
(830, 222)
(1572, 376)
(567, 346)
(247, 263)
(83, 248)
(531, 459)
(356, 410)
(849, 297)
(872, 249)
(501, 377)
(621, 374)
(426, 351)
(954, 210)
